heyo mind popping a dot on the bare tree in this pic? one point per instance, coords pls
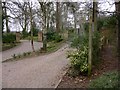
(5, 16)
(117, 4)
(44, 10)
(95, 6)
(31, 23)
(58, 16)
(20, 12)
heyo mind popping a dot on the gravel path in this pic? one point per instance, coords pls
(36, 72)
(25, 46)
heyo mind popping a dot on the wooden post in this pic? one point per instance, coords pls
(18, 37)
(40, 37)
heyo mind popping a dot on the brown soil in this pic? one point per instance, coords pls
(109, 62)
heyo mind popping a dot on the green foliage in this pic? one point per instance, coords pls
(86, 27)
(14, 56)
(24, 54)
(96, 47)
(8, 46)
(8, 38)
(106, 22)
(35, 31)
(79, 58)
(71, 34)
(53, 36)
(25, 34)
(19, 56)
(79, 41)
(107, 80)
(75, 42)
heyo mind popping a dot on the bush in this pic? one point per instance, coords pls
(106, 22)
(8, 38)
(57, 37)
(75, 42)
(79, 58)
(35, 32)
(78, 41)
(96, 47)
(107, 80)
(53, 36)
(25, 34)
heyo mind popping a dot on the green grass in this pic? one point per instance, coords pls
(107, 80)
(53, 46)
(35, 38)
(8, 46)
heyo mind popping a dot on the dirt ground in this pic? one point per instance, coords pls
(109, 62)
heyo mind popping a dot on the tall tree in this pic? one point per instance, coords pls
(95, 6)
(43, 7)
(117, 4)
(90, 46)
(57, 16)
(6, 16)
(92, 27)
(31, 24)
(21, 14)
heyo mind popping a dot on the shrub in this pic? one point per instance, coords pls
(96, 47)
(50, 36)
(75, 42)
(57, 38)
(14, 56)
(107, 80)
(78, 41)
(9, 38)
(25, 34)
(53, 36)
(79, 58)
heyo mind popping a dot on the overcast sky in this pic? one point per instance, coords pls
(108, 6)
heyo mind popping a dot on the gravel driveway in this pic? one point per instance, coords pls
(36, 72)
(25, 46)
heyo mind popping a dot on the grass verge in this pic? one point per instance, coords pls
(52, 47)
(107, 80)
(9, 46)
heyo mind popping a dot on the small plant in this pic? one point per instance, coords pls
(28, 53)
(8, 38)
(53, 36)
(79, 59)
(14, 56)
(24, 54)
(19, 56)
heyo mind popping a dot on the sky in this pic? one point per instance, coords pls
(108, 6)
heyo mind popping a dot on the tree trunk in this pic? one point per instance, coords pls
(66, 12)
(117, 4)
(6, 18)
(31, 28)
(90, 47)
(95, 6)
(58, 17)
(44, 34)
(45, 16)
(74, 14)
